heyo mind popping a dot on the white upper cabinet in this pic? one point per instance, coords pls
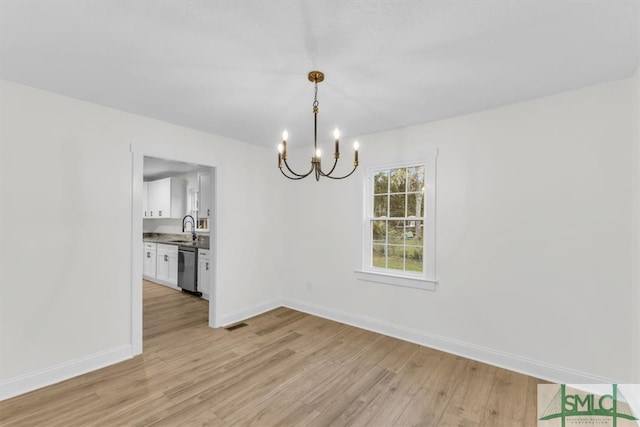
(160, 198)
(165, 198)
(205, 209)
(145, 200)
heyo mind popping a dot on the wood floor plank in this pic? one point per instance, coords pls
(277, 405)
(332, 404)
(469, 399)
(285, 368)
(531, 406)
(453, 420)
(134, 412)
(397, 355)
(352, 412)
(257, 388)
(507, 400)
(204, 419)
(386, 408)
(432, 398)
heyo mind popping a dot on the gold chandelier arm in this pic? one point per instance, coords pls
(355, 166)
(295, 175)
(335, 163)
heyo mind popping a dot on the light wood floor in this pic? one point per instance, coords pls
(284, 368)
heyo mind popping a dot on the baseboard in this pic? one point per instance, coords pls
(162, 282)
(247, 313)
(63, 371)
(489, 356)
(54, 374)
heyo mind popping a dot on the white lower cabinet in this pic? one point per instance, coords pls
(149, 260)
(204, 272)
(167, 264)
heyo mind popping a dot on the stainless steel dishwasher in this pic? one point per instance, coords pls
(187, 269)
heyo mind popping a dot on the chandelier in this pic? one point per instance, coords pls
(316, 167)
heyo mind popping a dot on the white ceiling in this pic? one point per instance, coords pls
(160, 168)
(239, 68)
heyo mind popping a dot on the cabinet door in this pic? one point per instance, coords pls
(204, 273)
(149, 265)
(152, 197)
(167, 264)
(162, 267)
(173, 268)
(145, 200)
(206, 207)
(160, 198)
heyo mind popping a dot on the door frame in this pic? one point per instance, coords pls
(139, 151)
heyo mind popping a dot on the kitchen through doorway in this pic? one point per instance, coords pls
(178, 229)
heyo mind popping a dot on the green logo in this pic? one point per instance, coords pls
(582, 408)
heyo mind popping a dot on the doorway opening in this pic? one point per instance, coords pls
(173, 214)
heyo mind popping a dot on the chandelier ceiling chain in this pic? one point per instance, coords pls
(316, 167)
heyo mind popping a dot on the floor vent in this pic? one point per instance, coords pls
(236, 326)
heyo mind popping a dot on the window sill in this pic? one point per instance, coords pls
(389, 279)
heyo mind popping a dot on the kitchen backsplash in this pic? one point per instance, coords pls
(166, 226)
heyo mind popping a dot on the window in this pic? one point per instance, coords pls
(397, 219)
(399, 229)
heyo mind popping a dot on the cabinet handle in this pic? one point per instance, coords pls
(207, 266)
(159, 213)
(166, 257)
(208, 212)
(148, 254)
(151, 213)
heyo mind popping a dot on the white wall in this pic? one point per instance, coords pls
(65, 261)
(533, 238)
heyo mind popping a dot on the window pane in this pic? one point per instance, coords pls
(413, 258)
(397, 205)
(396, 232)
(409, 231)
(395, 257)
(415, 205)
(415, 229)
(379, 231)
(378, 257)
(381, 205)
(381, 182)
(398, 180)
(415, 178)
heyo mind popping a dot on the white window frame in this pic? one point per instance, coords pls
(427, 278)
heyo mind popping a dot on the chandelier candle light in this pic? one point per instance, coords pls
(315, 77)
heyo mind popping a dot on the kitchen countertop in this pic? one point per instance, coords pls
(177, 239)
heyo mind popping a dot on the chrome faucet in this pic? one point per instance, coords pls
(185, 221)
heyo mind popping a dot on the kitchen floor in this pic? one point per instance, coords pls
(163, 315)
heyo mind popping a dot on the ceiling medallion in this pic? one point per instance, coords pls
(315, 77)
